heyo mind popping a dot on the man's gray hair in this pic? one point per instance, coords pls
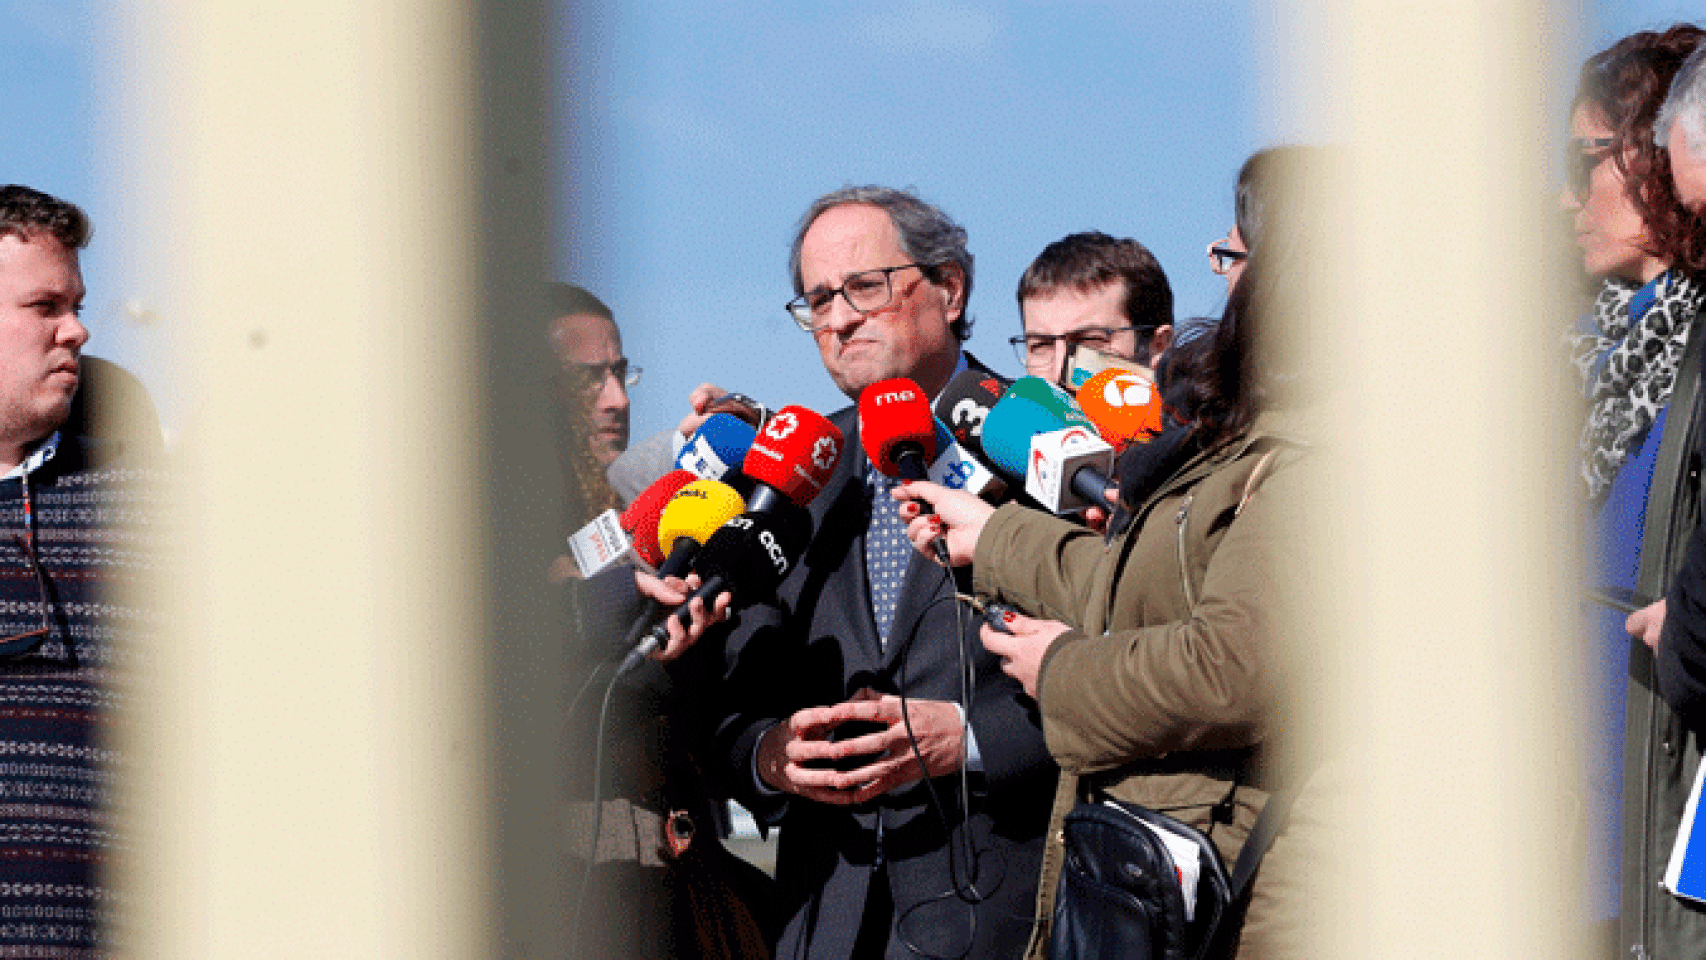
(1687, 104)
(929, 236)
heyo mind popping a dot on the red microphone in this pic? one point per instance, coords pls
(792, 458)
(1124, 406)
(641, 518)
(898, 428)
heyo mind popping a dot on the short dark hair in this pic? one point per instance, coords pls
(1087, 262)
(1625, 84)
(24, 211)
(928, 235)
(566, 299)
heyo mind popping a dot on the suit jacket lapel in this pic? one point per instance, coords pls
(852, 507)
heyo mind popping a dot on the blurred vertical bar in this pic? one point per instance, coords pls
(348, 741)
(1443, 620)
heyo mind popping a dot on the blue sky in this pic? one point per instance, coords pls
(701, 132)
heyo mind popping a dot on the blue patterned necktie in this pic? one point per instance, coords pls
(887, 552)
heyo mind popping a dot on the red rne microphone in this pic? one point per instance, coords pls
(898, 428)
(611, 539)
(1125, 407)
(792, 458)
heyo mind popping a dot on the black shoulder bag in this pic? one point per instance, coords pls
(1120, 894)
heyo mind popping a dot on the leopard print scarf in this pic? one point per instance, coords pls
(1627, 391)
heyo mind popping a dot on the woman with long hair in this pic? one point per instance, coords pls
(1150, 651)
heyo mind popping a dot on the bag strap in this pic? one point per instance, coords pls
(1273, 817)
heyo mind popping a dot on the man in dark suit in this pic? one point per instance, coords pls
(926, 841)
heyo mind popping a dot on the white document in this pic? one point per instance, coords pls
(1187, 861)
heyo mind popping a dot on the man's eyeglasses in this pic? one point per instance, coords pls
(1581, 157)
(589, 377)
(1222, 258)
(866, 292)
(1036, 350)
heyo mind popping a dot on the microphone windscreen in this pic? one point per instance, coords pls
(717, 447)
(754, 552)
(641, 518)
(795, 453)
(1008, 430)
(696, 511)
(1050, 397)
(894, 416)
(1123, 406)
(965, 402)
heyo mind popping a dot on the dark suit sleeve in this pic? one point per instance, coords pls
(1009, 737)
(1681, 660)
(747, 704)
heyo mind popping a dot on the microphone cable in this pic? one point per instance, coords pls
(597, 831)
(964, 891)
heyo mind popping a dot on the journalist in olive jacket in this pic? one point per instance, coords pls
(1163, 691)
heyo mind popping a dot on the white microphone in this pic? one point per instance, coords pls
(1069, 469)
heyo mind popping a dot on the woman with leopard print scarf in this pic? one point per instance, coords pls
(1636, 239)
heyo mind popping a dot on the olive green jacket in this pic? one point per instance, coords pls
(1162, 693)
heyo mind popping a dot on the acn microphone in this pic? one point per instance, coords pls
(749, 557)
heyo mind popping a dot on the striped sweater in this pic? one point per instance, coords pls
(55, 770)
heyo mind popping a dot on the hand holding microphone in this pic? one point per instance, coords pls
(678, 593)
(942, 520)
(789, 462)
(747, 558)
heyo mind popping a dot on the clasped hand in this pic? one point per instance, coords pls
(796, 755)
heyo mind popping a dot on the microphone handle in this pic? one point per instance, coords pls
(913, 467)
(641, 646)
(910, 460)
(765, 498)
(1092, 486)
(680, 560)
(659, 634)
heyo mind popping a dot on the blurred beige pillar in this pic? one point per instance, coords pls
(348, 735)
(1443, 545)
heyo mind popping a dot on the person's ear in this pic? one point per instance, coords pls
(1159, 341)
(953, 289)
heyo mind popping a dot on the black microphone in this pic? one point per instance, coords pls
(965, 402)
(749, 557)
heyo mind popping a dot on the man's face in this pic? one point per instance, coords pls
(1688, 167)
(910, 337)
(1096, 319)
(41, 338)
(590, 348)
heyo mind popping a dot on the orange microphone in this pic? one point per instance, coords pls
(1125, 407)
